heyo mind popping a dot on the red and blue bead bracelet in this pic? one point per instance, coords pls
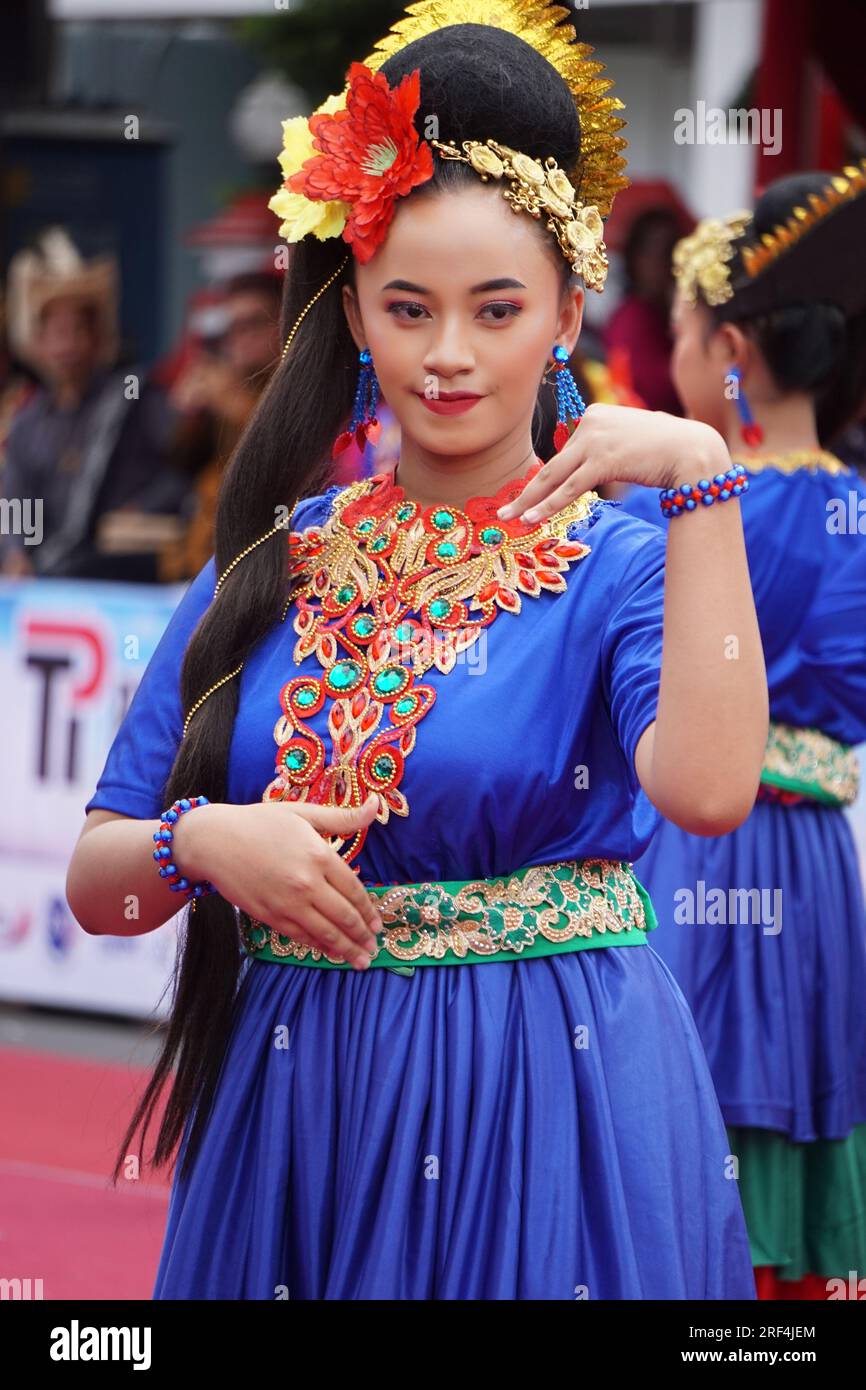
(163, 854)
(686, 498)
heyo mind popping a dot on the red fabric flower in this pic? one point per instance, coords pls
(370, 154)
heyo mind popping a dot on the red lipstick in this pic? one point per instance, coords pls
(450, 402)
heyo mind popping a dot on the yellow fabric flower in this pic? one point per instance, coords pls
(301, 215)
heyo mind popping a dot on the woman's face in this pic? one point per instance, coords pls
(700, 360)
(462, 296)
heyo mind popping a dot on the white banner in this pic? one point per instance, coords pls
(71, 656)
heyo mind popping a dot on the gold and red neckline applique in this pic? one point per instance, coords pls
(385, 590)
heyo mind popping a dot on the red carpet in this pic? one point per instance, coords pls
(61, 1221)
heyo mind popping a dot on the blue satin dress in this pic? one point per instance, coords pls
(779, 991)
(442, 1136)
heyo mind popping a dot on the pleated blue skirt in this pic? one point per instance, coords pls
(781, 1012)
(543, 1129)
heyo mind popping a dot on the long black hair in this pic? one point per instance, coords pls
(478, 82)
(808, 347)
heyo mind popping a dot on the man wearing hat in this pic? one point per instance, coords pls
(86, 456)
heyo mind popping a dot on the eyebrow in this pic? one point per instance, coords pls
(505, 283)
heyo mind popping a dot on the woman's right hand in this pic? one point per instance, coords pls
(270, 860)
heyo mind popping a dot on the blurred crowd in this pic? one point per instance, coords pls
(126, 462)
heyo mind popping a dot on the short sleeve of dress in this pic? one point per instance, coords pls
(145, 746)
(631, 648)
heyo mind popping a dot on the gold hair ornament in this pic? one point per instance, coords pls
(598, 174)
(840, 187)
(701, 260)
(307, 307)
(541, 189)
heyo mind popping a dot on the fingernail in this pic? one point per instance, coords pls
(504, 511)
(531, 515)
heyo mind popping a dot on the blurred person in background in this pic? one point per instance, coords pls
(17, 385)
(638, 329)
(216, 395)
(770, 327)
(89, 447)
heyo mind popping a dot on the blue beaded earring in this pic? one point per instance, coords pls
(569, 402)
(365, 426)
(750, 431)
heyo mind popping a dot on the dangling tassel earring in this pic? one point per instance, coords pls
(364, 427)
(569, 402)
(750, 431)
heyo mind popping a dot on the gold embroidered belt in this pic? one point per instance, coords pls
(807, 765)
(537, 911)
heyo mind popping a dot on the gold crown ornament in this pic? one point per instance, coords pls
(541, 190)
(701, 260)
(813, 257)
(339, 182)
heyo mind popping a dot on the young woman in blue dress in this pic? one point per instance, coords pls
(391, 726)
(764, 927)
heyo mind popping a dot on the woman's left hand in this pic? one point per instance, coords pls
(619, 443)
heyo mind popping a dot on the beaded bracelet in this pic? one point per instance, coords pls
(163, 855)
(685, 498)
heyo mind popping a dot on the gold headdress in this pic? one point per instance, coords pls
(331, 168)
(599, 173)
(814, 257)
(701, 260)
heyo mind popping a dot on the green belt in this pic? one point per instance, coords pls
(542, 910)
(809, 764)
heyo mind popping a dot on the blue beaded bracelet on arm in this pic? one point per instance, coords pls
(688, 496)
(163, 854)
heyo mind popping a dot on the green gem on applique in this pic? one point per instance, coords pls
(383, 767)
(296, 759)
(404, 513)
(379, 543)
(390, 679)
(403, 632)
(363, 625)
(344, 674)
(491, 535)
(346, 594)
(365, 526)
(305, 698)
(406, 705)
(446, 550)
(440, 608)
(443, 520)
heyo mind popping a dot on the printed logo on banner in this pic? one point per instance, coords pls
(14, 927)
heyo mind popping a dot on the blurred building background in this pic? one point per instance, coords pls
(136, 123)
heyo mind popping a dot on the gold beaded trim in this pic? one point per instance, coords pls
(794, 460)
(200, 701)
(307, 307)
(810, 763)
(280, 526)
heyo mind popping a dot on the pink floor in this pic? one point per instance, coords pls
(61, 1221)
